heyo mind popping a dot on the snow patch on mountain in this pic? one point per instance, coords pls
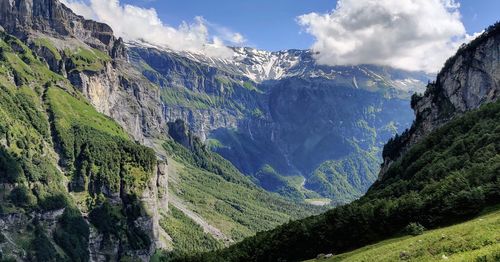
(259, 66)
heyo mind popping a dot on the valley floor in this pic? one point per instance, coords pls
(475, 240)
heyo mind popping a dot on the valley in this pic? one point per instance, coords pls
(279, 117)
(118, 148)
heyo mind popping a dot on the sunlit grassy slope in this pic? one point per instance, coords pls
(475, 240)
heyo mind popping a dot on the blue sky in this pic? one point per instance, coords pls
(416, 35)
(271, 24)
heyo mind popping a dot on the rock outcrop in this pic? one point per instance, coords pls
(468, 80)
(115, 88)
(23, 18)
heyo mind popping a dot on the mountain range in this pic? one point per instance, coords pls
(127, 151)
(443, 170)
(256, 111)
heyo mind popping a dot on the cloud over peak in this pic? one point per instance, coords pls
(136, 23)
(407, 34)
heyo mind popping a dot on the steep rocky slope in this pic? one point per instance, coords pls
(72, 179)
(468, 80)
(90, 56)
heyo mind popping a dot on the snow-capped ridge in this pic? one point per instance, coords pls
(261, 65)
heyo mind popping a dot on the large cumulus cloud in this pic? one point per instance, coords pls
(407, 34)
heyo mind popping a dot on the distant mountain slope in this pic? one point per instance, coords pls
(281, 111)
(450, 175)
(259, 66)
(225, 204)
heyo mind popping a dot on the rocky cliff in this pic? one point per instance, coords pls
(23, 18)
(68, 42)
(468, 80)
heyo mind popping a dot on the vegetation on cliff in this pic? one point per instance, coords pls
(50, 135)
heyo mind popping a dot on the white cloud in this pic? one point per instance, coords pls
(407, 34)
(136, 23)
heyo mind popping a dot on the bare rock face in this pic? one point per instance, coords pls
(23, 17)
(468, 80)
(124, 96)
(203, 121)
(180, 132)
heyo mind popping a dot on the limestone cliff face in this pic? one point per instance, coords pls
(24, 17)
(115, 89)
(205, 97)
(468, 80)
(124, 95)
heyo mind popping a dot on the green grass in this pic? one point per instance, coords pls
(331, 179)
(45, 42)
(223, 80)
(237, 210)
(85, 59)
(475, 240)
(251, 87)
(186, 98)
(69, 110)
(213, 188)
(22, 64)
(188, 237)
(257, 113)
(213, 143)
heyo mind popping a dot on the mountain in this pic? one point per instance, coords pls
(449, 171)
(107, 80)
(468, 80)
(64, 166)
(301, 129)
(90, 169)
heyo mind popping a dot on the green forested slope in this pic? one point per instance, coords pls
(475, 240)
(212, 188)
(448, 177)
(58, 155)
